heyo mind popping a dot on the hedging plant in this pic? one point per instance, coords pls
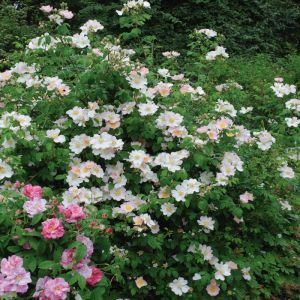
(124, 181)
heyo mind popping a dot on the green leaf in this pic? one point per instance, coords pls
(30, 263)
(37, 218)
(81, 282)
(13, 249)
(98, 292)
(47, 264)
(80, 252)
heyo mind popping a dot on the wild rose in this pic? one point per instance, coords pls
(66, 14)
(54, 289)
(178, 77)
(33, 191)
(96, 276)
(140, 282)
(179, 286)
(213, 288)
(72, 213)
(35, 206)
(286, 171)
(164, 89)
(67, 258)
(186, 88)
(11, 264)
(52, 229)
(46, 8)
(13, 277)
(246, 197)
(246, 273)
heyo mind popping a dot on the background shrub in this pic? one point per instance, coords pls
(251, 27)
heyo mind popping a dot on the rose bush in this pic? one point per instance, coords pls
(125, 180)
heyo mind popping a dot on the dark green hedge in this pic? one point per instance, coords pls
(251, 26)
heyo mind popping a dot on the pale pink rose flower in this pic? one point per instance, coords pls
(164, 89)
(246, 197)
(144, 71)
(97, 52)
(223, 123)
(213, 134)
(19, 281)
(46, 8)
(13, 277)
(232, 265)
(35, 206)
(178, 77)
(63, 90)
(202, 129)
(133, 73)
(186, 88)
(66, 14)
(56, 289)
(213, 288)
(11, 265)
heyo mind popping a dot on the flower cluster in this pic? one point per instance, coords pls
(280, 89)
(133, 5)
(49, 288)
(219, 51)
(264, 140)
(13, 276)
(229, 165)
(56, 15)
(208, 32)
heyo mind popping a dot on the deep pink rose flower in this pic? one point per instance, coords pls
(33, 191)
(52, 229)
(72, 213)
(96, 276)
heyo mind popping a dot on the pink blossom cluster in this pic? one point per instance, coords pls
(35, 205)
(51, 289)
(57, 15)
(13, 277)
(68, 261)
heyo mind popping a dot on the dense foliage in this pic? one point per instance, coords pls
(251, 27)
(141, 174)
